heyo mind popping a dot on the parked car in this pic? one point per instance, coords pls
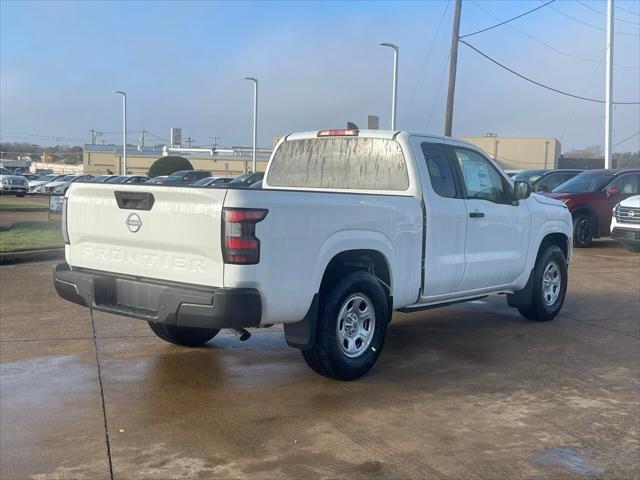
(156, 180)
(625, 223)
(546, 180)
(348, 226)
(212, 181)
(60, 188)
(102, 178)
(591, 196)
(31, 176)
(246, 180)
(13, 185)
(127, 179)
(34, 185)
(185, 177)
(50, 187)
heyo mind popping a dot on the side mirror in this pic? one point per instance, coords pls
(521, 189)
(612, 191)
(541, 188)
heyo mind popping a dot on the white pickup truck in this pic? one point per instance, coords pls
(349, 226)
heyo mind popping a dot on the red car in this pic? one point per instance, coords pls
(590, 197)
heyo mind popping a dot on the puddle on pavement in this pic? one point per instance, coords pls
(568, 458)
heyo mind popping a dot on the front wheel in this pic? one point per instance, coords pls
(21, 194)
(549, 285)
(186, 336)
(351, 328)
(583, 228)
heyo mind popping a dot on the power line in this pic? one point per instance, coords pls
(541, 84)
(627, 11)
(435, 99)
(426, 60)
(626, 139)
(590, 24)
(551, 47)
(586, 5)
(507, 21)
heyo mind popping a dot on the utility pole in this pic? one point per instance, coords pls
(189, 140)
(214, 142)
(93, 136)
(394, 90)
(608, 116)
(453, 65)
(142, 139)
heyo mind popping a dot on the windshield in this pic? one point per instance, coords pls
(118, 179)
(242, 178)
(47, 178)
(178, 174)
(203, 181)
(582, 183)
(66, 178)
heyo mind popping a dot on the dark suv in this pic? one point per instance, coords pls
(590, 197)
(185, 177)
(546, 180)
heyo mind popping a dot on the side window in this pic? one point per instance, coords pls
(628, 184)
(440, 171)
(190, 176)
(552, 180)
(481, 180)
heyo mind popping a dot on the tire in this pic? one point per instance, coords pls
(186, 336)
(351, 327)
(583, 228)
(20, 195)
(549, 285)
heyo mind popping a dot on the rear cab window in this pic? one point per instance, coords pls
(340, 163)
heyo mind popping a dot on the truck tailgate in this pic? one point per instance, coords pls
(151, 231)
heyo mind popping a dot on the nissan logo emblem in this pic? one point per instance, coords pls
(133, 222)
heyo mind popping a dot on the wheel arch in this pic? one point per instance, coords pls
(301, 334)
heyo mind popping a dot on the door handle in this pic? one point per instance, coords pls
(476, 214)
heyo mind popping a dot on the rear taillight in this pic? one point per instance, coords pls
(240, 245)
(65, 230)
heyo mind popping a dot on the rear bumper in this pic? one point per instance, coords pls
(159, 302)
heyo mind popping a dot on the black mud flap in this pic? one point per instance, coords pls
(302, 334)
(522, 298)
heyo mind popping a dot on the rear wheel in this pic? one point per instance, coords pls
(351, 328)
(583, 227)
(186, 336)
(549, 285)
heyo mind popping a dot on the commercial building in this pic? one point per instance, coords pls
(101, 159)
(519, 153)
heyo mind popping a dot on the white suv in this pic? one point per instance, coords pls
(625, 223)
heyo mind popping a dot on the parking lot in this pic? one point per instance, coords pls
(469, 391)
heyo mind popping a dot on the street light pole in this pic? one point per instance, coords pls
(255, 120)
(394, 93)
(124, 131)
(608, 123)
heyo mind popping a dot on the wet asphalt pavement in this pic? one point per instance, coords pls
(471, 391)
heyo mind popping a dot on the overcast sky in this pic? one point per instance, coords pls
(182, 64)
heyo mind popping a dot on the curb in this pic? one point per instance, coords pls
(31, 256)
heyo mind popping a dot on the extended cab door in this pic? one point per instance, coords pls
(498, 227)
(445, 219)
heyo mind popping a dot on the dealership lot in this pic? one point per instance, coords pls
(469, 391)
